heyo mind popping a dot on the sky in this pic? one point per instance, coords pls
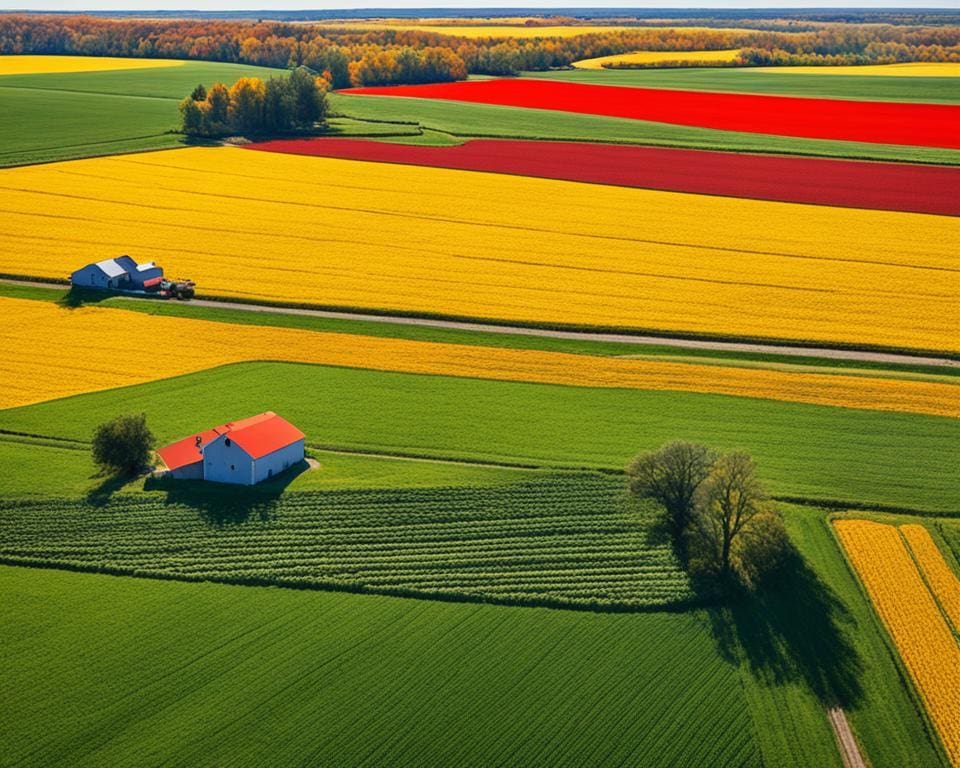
(225, 5)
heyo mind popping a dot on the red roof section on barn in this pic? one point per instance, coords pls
(258, 436)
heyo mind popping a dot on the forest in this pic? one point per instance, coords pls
(349, 56)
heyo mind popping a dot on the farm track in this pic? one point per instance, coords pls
(826, 353)
(849, 750)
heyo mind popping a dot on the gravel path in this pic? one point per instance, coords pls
(849, 750)
(627, 339)
(618, 338)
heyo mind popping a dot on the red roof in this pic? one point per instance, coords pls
(257, 435)
(152, 282)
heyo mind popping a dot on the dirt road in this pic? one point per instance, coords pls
(849, 749)
(627, 339)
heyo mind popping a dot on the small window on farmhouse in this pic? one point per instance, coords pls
(232, 467)
(227, 442)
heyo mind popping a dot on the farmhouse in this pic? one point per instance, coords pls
(242, 452)
(121, 273)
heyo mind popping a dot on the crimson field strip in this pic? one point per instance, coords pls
(921, 125)
(845, 183)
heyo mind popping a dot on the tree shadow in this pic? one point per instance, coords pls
(223, 504)
(100, 495)
(792, 629)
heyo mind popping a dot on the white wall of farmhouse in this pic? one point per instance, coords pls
(226, 462)
(274, 463)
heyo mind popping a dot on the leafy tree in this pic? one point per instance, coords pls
(309, 97)
(736, 532)
(672, 475)
(218, 99)
(191, 117)
(199, 93)
(278, 105)
(247, 97)
(123, 444)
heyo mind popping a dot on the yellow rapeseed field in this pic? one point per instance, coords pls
(924, 641)
(652, 57)
(85, 358)
(35, 65)
(911, 69)
(516, 31)
(942, 580)
(343, 233)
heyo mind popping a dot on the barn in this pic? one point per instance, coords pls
(243, 452)
(121, 273)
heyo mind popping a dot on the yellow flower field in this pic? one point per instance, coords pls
(35, 65)
(514, 30)
(403, 238)
(42, 371)
(911, 69)
(924, 641)
(652, 57)
(942, 580)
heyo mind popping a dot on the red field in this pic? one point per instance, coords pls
(924, 125)
(848, 183)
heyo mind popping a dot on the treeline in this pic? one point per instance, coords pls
(371, 56)
(835, 45)
(252, 106)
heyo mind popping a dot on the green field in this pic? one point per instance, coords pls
(465, 120)
(807, 451)
(747, 80)
(246, 672)
(201, 674)
(101, 113)
(50, 117)
(568, 541)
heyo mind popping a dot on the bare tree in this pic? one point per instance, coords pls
(671, 476)
(736, 533)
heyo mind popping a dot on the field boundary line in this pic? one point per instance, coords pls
(640, 337)
(846, 741)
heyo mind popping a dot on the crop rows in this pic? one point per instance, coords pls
(913, 618)
(275, 227)
(255, 677)
(38, 372)
(565, 540)
(848, 183)
(925, 125)
(943, 582)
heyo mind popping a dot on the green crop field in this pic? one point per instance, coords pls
(557, 540)
(305, 673)
(465, 120)
(807, 451)
(48, 117)
(747, 80)
(202, 674)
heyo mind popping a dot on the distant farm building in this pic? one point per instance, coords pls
(243, 452)
(119, 274)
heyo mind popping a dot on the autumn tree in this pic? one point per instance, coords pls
(218, 106)
(254, 107)
(247, 98)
